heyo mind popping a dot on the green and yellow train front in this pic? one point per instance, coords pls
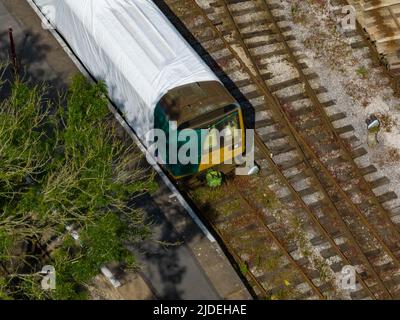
(215, 116)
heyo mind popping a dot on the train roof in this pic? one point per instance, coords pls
(132, 47)
(192, 102)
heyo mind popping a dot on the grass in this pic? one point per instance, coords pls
(264, 258)
(362, 71)
(204, 194)
(298, 15)
(244, 269)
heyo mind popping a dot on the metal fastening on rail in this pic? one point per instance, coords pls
(373, 126)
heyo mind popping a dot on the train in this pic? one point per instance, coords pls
(153, 76)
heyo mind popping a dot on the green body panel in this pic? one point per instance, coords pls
(177, 170)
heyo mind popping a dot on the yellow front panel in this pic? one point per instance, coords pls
(217, 157)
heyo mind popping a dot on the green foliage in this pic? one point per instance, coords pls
(214, 178)
(293, 9)
(244, 269)
(63, 163)
(5, 244)
(362, 71)
(23, 151)
(100, 243)
(3, 289)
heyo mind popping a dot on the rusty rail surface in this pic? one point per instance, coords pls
(369, 234)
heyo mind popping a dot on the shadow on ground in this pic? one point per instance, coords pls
(172, 269)
(166, 268)
(32, 62)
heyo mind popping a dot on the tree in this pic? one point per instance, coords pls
(64, 163)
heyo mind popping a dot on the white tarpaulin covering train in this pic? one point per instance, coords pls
(152, 74)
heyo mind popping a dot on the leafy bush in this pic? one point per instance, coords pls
(63, 163)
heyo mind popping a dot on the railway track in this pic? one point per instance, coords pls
(380, 21)
(272, 270)
(304, 159)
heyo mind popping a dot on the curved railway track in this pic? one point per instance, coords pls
(303, 157)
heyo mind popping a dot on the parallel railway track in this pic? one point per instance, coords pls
(380, 20)
(379, 25)
(245, 233)
(298, 146)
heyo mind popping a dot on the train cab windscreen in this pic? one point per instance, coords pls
(224, 132)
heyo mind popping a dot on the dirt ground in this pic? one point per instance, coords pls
(133, 288)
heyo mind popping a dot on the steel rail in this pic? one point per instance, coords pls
(235, 256)
(314, 98)
(282, 247)
(271, 99)
(272, 102)
(316, 222)
(378, 58)
(299, 143)
(316, 102)
(270, 235)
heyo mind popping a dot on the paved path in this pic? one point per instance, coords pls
(194, 268)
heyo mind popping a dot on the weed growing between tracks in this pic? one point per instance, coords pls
(256, 257)
(64, 167)
(236, 217)
(353, 78)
